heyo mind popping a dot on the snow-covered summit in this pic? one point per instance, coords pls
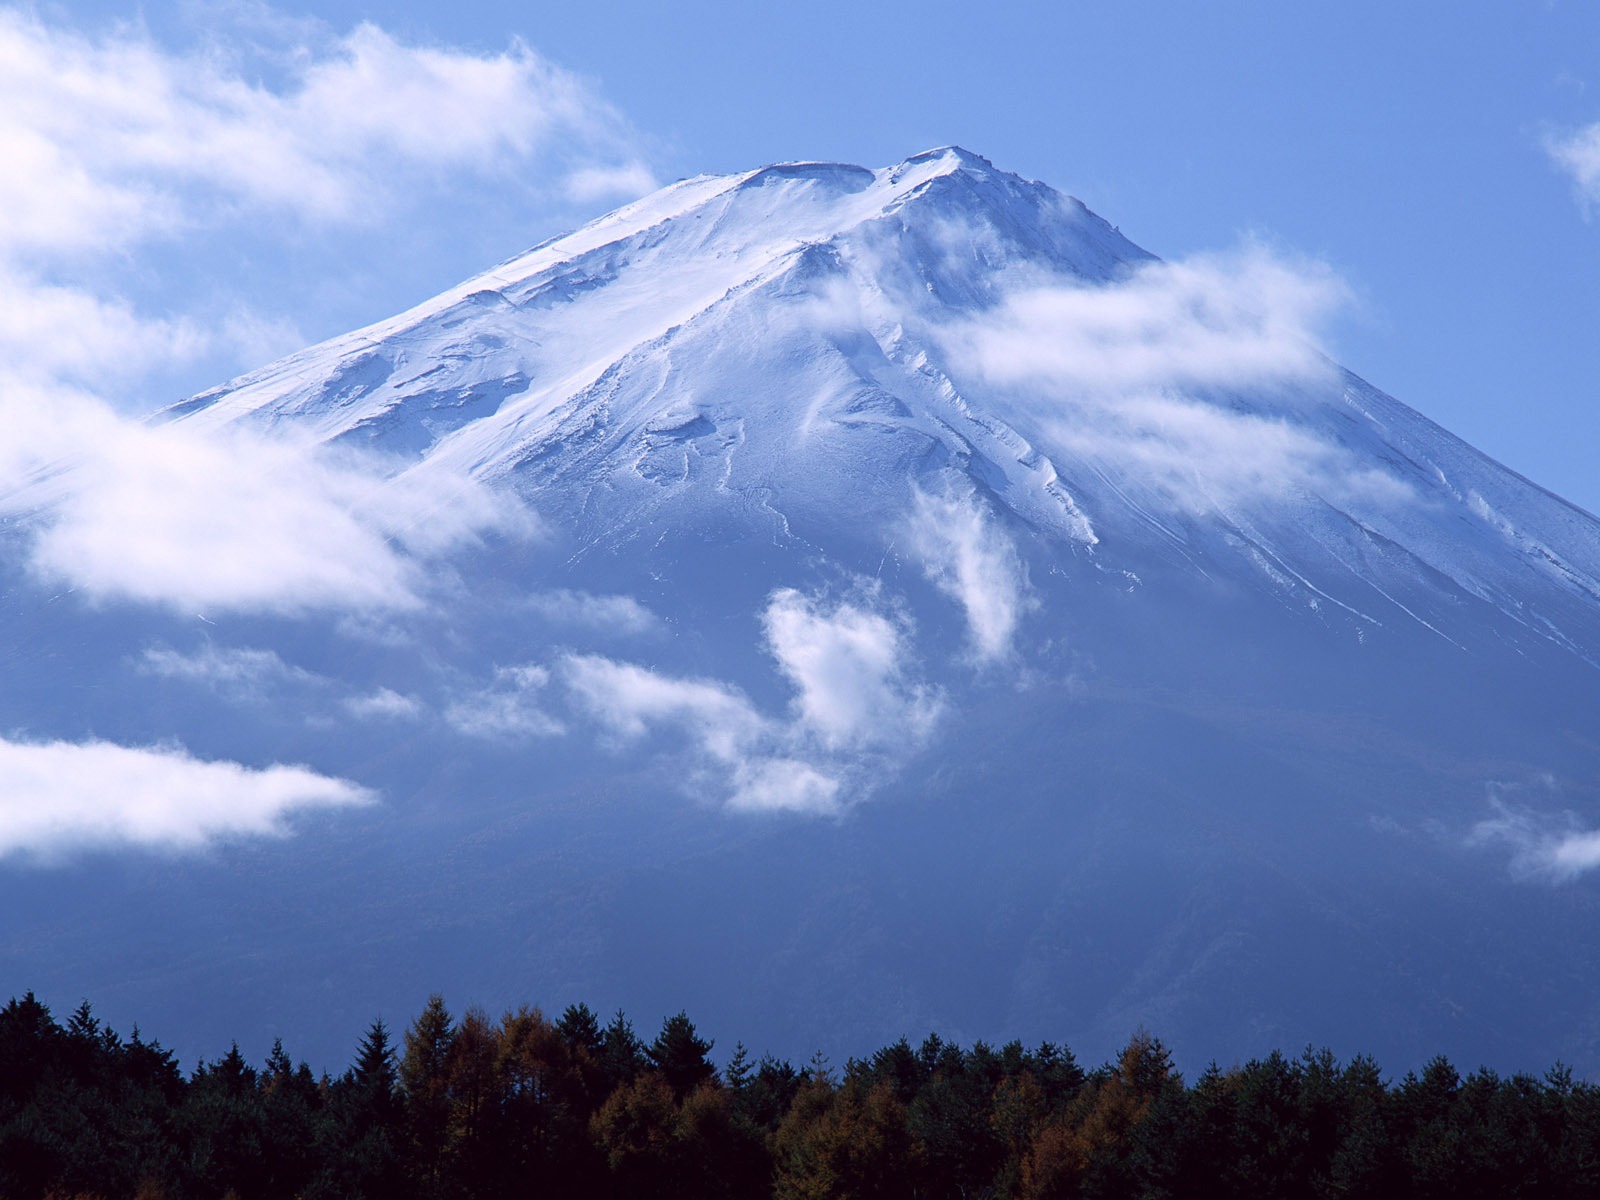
(827, 343)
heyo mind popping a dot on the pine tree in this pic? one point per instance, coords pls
(425, 1079)
(580, 1029)
(738, 1072)
(621, 1053)
(680, 1054)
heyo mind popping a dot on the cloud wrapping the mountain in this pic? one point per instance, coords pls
(1180, 378)
(62, 797)
(1212, 321)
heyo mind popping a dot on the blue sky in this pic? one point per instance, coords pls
(1415, 149)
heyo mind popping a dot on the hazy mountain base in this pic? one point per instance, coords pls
(1068, 874)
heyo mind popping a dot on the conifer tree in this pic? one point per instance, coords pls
(681, 1055)
(621, 1052)
(425, 1079)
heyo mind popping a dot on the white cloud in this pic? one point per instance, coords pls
(116, 146)
(384, 704)
(969, 557)
(62, 797)
(1181, 377)
(1552, 846)
(1204, 457)
(630, 699)
(509, 710)
(608, 613)
(114, 138)
(1578, 154)
(1245, 320)
(626, 182)
(717, 724)
(847, 665)
(855, 715)
(52, 332)
(231, 520)
(227, 670)
(783, 785)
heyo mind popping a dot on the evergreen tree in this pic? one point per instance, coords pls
(425, 1080)
(621, 1053)
(291, 1105)
(580, 1029)
(738, 1073)
(681, 1055)
(365, 1158)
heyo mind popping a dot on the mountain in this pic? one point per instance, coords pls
(841, 603)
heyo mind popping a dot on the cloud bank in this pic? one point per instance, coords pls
(233, 520)
(62, 797)
(114, 138)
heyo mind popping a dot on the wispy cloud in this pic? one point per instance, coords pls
(1544, 845)
(1183, 376)
(384, 704)
(62, 797)
(1578, 154)
(113, 137)
(233, 671)
(512, 708)
(625, 182)
(609, 613)
(967, 554)
(856, 710)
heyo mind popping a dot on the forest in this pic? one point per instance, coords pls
(457, 1108)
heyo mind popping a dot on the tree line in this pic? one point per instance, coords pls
(469, 1107)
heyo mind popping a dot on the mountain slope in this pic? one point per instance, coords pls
(923, 608)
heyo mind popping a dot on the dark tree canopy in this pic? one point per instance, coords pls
(478, 1107)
